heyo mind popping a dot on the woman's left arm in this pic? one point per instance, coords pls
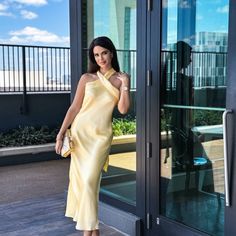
(124, 101)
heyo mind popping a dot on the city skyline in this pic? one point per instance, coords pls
(212, 16)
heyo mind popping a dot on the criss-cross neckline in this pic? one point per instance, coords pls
(109, 73)
(107, 76)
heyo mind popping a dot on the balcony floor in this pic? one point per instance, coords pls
(32, 201)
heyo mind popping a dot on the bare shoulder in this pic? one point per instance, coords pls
(87, 77)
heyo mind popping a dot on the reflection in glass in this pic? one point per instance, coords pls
(192, 170)
(117, 20)
(193, 91)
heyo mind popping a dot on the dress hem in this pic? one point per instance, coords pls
(81, 228)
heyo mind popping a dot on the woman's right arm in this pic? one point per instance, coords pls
(72, 111)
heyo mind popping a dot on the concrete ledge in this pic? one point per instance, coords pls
(49, 147)
(28, 158)
(32, 149)
(123, 139)
(121, 220)
(45, 152)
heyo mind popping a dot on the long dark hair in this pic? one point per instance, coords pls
(104, 42)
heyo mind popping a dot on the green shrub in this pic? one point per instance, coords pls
(203, 117)
(27, 135)
(123, 126)
(200, 117)
(30, 135)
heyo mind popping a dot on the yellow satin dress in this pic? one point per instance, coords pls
(92, 135)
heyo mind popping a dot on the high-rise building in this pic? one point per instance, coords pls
(211, 41)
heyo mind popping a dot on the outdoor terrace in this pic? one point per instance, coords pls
(32, 200)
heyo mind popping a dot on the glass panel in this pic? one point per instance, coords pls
(117, 20)
(193, 86)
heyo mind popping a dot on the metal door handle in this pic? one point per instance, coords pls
(226, 174)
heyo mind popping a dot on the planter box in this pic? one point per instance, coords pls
(124, 143)
(45, 152)
(27, 154)
(32, 149)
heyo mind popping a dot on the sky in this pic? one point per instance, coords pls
(211, 16)
(34, 22)
(46, 22)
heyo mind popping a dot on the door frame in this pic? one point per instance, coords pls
(141, 110)
(161, 225)
(230, 212)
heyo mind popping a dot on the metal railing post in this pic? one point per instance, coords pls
(24, 108)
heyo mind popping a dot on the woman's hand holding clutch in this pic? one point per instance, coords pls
(58, 146)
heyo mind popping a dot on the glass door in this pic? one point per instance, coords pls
(119, 182)
(194, 53)
(193, 90)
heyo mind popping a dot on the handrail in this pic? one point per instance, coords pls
(226, 174)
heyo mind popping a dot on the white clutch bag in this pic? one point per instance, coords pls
(67, 144)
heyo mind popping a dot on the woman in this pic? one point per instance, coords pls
(90, 116)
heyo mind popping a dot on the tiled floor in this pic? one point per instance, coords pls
(33, 180)
(43, 216)
(32, 201)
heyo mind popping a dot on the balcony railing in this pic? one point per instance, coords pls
(208, 69)
(25, 68)
(34, 68)
(47, 69)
